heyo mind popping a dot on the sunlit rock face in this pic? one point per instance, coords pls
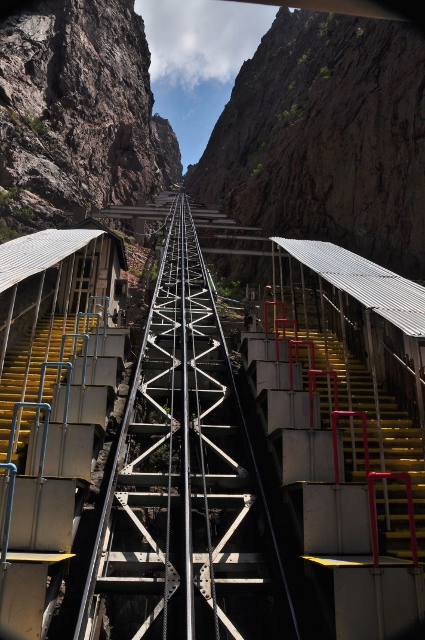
(76, 108)
(168, 156)
(324, 138)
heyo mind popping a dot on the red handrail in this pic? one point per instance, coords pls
(312, 374)
(310, 344)
(266, 304)
(283, 321)
(402, 475)
(348, 414)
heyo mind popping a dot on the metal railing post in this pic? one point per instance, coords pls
(80, 287)
(304, 301)
(68, 292)
(10, 479)
(325, 337)
(418, 383)
(28, 362)
(52, 315)
(371, 352)
(291, 278)
(283, 322)
(296, 342)
(347, 377)
(7, 328)
(85, 339)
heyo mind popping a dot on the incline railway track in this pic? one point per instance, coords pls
(186, 546)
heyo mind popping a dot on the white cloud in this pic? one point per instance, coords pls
(196, 40)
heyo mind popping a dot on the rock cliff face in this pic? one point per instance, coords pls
(324, 138)
(168, 154)
(75, 110)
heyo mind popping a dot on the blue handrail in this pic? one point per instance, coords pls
(10, 478)
(31, 405)
(76, 336)
(81, 314)
(105, 309)
(59, 366)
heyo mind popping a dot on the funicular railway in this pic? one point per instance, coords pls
(187, 544)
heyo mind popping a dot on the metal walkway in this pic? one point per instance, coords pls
(187, 547)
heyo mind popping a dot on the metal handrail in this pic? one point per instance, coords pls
(11, 479)
(89, 315)
(347, 320)
(105, 309)
(284, 322)
(402, 475)
(297, 342)
(31, 405)
(312, 375)
(349, 414)
(77, 336)
(59, 366)
(266, 305)
(48, 295)
(396, 357)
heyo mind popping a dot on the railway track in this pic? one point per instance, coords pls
(185, 547)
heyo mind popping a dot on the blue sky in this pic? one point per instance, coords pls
(192, 112)
(197, 48)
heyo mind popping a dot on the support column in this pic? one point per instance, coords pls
(28, 363)
(7, 328)
(291, 280)
(68, 293)
(52, 315)
(325, 339)
(347, 376)
(378, 413)
(274, 287)
(77, 308)
(304, 301)
(281, 277)
(419, 394)
(91, 283)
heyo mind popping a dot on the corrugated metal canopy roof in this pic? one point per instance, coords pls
(31, 254)
(397, 299)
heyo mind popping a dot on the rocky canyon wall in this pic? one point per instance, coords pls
(76, 121)
(324, 138)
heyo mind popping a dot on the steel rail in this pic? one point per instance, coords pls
(204, 482)
(259, 482)
(80, 627)
(170, 459)
(188, 618)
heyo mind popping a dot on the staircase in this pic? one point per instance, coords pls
(403, 447)
(14, 372)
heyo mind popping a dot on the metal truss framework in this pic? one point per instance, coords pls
(189, 424)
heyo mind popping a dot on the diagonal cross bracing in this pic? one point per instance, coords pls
(184, 493)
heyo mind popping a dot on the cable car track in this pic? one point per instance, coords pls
(215, 503)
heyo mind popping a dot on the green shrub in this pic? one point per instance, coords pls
(6, 233)
(302, 59)
(36, 125)
(230, 289)
(258, 169)
(9, 195)
(25, 214)
(323, 26)
(4, 197)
